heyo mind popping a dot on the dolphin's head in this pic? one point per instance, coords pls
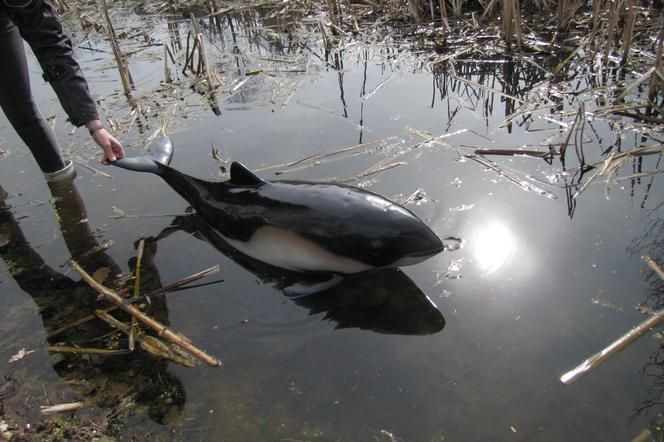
(420, 244)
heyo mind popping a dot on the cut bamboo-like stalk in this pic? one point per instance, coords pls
(122, 65)
(620, 343)
(61, 408)
(161, 329)
(203, 60)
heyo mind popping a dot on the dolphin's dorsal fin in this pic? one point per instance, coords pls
(241, 176)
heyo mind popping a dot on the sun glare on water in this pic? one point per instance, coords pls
(493, 247)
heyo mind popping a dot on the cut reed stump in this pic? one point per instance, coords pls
(161, 329)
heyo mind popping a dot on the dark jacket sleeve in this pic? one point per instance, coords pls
(39, 25)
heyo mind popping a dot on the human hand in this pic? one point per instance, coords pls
(110, 145)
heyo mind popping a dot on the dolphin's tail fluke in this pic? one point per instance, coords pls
(160, 152)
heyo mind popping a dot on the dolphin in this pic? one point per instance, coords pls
(298, 225)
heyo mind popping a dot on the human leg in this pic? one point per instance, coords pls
(18, 104)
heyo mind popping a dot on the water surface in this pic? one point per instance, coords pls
(468, 345)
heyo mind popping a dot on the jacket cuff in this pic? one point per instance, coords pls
(80, 120)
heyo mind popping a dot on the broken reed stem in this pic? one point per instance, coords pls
(653, 265)
(202, 60)
(628, 33)
(119, 59)
(655, 81)
(183, 281)
(443, 16)
(159, 291)
(161, 329)
(597, 11)
(60, 408)
(85, 350)
(620, 343)
(511, 21)
(578, 136)
(137, 271)
(150, 344)
(572, 130)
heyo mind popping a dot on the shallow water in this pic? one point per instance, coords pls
(538, 285)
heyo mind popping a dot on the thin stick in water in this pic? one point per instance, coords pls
(620, 343)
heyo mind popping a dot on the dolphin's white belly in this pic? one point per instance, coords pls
(288, 250)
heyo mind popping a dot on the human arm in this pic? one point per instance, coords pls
(39, 25)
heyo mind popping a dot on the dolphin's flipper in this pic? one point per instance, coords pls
(159, 152)
(312, 286)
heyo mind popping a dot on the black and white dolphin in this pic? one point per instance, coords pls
(297, 225)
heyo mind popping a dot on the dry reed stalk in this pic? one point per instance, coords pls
(160, 291)
(60, 408)
(202, 56)
(519, 181)
(514, 152)
(334, 15)
(150, 344)
(85, 350)
(578, 136)
(488, 9)
(507, 17)
(493, 90)
(636, 83)
(443, 16)
(161, 329)
(566, 12)
(619, 344)
(597, 12)
(457, 7)
(656, 81)
(119, 58)
(370, 171)
(614, 18)
(628, 31)
(319, 156)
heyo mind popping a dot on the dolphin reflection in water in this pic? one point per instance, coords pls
(297, 225)
(382, 300)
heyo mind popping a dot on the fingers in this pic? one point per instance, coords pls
(111, 146)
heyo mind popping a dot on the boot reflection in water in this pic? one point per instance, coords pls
(61, 300)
